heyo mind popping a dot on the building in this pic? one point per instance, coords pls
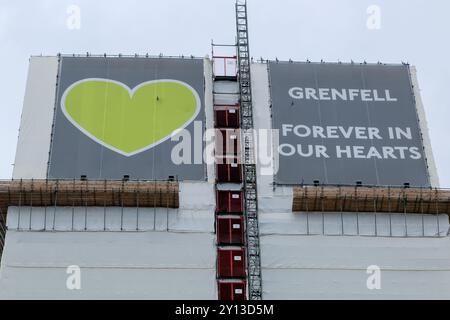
(138, 208)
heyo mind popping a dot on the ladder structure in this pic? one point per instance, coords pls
(249, 161)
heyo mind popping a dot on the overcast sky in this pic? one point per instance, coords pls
(416, 31)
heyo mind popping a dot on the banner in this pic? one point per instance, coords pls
(116, 117)
(345, 123)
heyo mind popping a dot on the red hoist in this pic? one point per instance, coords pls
(238, 252)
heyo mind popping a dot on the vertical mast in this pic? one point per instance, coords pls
(249, 163)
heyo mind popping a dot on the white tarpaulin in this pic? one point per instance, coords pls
(114, 265)
(354, 224)
(123, 253)
(326, 267)
(37, 117)
(109, 219)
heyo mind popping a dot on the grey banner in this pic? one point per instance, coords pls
(344, 123)
(76, 152)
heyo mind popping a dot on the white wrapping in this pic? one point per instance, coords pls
(270, 199)
(209, 112)
(37, 118)
(228, 87)
(150, 265)
(197, 196)
(226, 99)
(325, 267)
(109, 219)
(434, 178)
(353, 224)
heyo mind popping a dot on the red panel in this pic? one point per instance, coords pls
(229, 201)
(235, 173)
(231, 263)
(232, 291)
(229, 173)
(227, 117)
(222, 173)
(230, 230)
(233, 118)
(236, 201)
(223, 201)
(220, 143)
(221, 118)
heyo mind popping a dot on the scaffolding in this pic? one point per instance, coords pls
(249, 163)
(408, 208)
(77, 193)
(88, 193)
(425, 201)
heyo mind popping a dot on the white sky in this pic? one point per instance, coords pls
(416, 31)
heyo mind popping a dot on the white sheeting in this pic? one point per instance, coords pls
(150, 265)
(109, 219)
(37, 117)
(226, 99)
(331, 284)
(270, 199)
(197, 196)
(209, 112)
(324, 267)
(228, 87)
(196, 214)
(145, 253)
(424, 130)
(353, 224)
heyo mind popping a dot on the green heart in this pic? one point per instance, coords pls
(130, 121)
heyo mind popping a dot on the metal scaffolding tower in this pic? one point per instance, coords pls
(249, 163)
